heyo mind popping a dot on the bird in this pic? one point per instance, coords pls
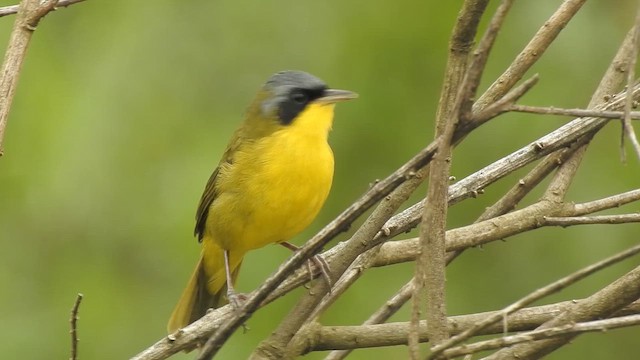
(271, 182)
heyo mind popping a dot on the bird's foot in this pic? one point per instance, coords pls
(236, 299)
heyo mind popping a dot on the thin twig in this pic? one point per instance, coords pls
(606, 203)
(531, 53)
(535, 295)
(551, 110)
(589, 220)
(74, 327)
(573, 329)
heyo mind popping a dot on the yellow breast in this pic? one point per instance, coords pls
(276, 186)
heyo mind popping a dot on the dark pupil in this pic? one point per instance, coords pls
(299, 97)
(294, 104)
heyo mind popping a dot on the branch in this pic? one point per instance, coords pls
(74, 327)
(30, 12)
(587, 220)
(381, 315)
(342, 338)
(531, 53)
(627, 128)
(607, 203)
(635, 115)
(612, 79)
(536, 295)
(602, 304)
(430, 265)
(501, 227)
(460, 45)
(569, 329)
(470, 186)
(13, 9)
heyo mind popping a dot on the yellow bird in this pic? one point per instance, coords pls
(270, 184)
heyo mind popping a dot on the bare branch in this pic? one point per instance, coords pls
(470, 186)
(430, 265)
(392, 334)
(460, 45)
(531, 53)
(612, 79)
(30, 12)
(568, 329)
(535, 295)
(602, 304)
(13, 9)
(627, 128)
(572, 112)
(381, 315)
(606, 203)
(588, 220)
(74, 327)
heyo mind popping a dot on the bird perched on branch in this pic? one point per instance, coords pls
(270, 184)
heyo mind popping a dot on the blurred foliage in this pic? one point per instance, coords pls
(124, 108)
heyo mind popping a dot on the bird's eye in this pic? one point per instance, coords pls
(299, 97)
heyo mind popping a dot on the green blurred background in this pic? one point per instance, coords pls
(124, 107)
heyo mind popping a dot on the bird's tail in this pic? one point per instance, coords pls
(202, 292)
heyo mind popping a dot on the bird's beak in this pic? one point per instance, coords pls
(331, 96)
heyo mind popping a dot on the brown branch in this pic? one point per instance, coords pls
(568, 329)
(534, 296)
(606, 203)
(589, 220)
(602, 304)
(430, 265)
(74, 327)
(635, 115)
(13, 9)
(381, 315)
(460, 45)
(627, 128)
(612, 79)
(562, 137)
(530, 54)
(342, 338)
(29, 14)
(500, 106)
(502, 227)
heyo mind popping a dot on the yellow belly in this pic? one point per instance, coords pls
(272, 191)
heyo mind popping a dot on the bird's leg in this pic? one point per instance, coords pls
(234, 299)
(317, 260)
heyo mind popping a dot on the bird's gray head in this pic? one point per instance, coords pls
(290, 92)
